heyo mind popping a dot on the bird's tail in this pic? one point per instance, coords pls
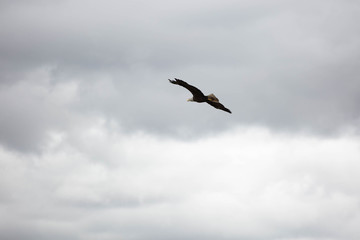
(212, 97)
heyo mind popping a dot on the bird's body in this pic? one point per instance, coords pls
(199, 97)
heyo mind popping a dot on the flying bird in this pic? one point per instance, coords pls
(199, 97)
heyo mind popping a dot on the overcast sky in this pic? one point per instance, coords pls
(95, 143)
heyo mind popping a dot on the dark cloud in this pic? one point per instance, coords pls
(32, 108)
(286, 65)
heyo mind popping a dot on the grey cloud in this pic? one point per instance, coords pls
(287, 65)
(32, 108)
(33, 231)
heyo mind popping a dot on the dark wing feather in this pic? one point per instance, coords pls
(218, 106)
(195, 91)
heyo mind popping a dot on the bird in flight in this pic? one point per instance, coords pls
(199, 97)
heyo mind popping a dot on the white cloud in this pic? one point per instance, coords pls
(250, 183)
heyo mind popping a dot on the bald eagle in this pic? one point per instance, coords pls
(199, 97)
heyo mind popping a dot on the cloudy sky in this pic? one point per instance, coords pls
(95, 143)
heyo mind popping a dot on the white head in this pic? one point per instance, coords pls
(190, 100)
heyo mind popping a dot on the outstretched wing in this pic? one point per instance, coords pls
(218, 106)
(195, 91)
